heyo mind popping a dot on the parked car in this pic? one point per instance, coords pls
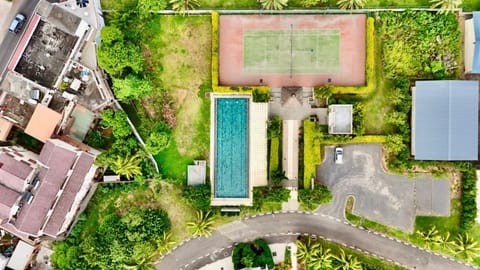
(338, 155)
(17, 23)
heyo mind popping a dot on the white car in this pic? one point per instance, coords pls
(338, 155)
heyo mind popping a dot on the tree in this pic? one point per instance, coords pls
(131, 86)
(321, 259)
(311, 3)
(118, 121)
(466, 246)
(274, 4)
(127, 166)
(182, 6)
(156, 142)
(394, 144)
(348, 262)
(203, 224)
(147, 7)
(142, 257)
(431, 237)
(274, 127)
(351, 4)
(199, 196)
(116, 55)
(445, 6)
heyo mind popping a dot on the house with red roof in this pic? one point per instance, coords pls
(43, 194)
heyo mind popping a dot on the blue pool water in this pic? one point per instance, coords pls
(231, 162)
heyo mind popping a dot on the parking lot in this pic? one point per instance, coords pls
(393, 200)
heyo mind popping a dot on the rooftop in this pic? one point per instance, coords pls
(44, 57)
(445, 120)
(340, 119)
(43, 123)
(197, 173)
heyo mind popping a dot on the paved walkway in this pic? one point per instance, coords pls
(290, 134)
(292, 109)
(197, 252)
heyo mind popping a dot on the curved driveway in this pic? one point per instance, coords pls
(198, 252)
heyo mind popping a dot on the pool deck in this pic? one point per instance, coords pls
(257, 154)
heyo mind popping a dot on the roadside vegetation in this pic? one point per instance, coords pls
(320, 254)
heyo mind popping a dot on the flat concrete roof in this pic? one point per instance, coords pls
(21, 256)
(340, 119)
(43, 123)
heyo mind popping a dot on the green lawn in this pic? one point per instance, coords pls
(178, 50)
(270, 51)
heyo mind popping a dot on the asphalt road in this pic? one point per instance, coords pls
(10, 41)
(198, 252)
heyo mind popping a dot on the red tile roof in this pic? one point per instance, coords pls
(58, 161)
(7, 200)
(13, 172)
(76, 180)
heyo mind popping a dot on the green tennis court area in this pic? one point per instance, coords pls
(292, 51)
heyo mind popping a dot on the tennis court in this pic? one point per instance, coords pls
(294, 51)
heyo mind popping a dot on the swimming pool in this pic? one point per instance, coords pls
(231, 144)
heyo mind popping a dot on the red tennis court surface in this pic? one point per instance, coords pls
(351, 70)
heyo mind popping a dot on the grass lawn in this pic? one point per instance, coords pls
(377, 103)
(178, 57)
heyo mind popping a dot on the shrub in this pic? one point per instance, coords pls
(260, 96)
(252, 254)
(469, 194)
(311, 152)
(198, 196)
(214, 49)
(274, 155)
(311, 199)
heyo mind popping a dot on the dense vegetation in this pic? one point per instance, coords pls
(117, 242)
(252, 254)
(321, 254)
(419, 44)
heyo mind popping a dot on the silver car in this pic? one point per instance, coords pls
(17, 23)
(338, 155)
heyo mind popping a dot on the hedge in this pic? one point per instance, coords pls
(262, 90)
(311, 152)
(311, 199)
(469, 195)
(369, 67)
(359, 139)
(274, 154)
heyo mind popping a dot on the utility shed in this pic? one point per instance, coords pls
(472, 44)
(445, 120)
(21, 256)
(197, 173)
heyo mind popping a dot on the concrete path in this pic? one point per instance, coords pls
(197, 252)
(290, 134)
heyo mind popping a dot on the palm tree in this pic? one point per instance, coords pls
(348, 262)
(445, 6)
(351, 4)
(445, 241)
(466, 247)
(431, 237)
(182, 6)
(127, 166)
(306, 250)
(273, 4)
(165, 243)
(203, 224)
(320, 259)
